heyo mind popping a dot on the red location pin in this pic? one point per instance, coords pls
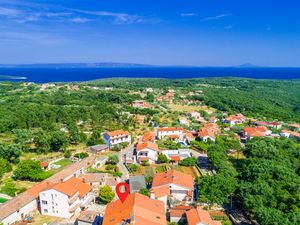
(122, 195)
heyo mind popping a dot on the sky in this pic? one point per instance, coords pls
(156, 32)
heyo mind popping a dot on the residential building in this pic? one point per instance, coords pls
(66, 198)
(295, 127)
(98, 149)
(178, 213)
(22, 205)
(290, 134)
(149, 89)
(180, 154)
(200, 216)
(141, 104)
(209, 132)
(173, 185)
(137, 209)
(213, 119)
(251, 132)
(98, 180)
(148, 136)
(147, 151)
(116, 137)
(136, 183)
(184, 121)
(89, 217)
(234, 119)
(273, 124)
(196, 116)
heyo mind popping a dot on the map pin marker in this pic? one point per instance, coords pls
(122, 195)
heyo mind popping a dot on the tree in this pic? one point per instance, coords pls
(162, 158)
(5, 167)
(58, 141)
(106, 194)
(41, 142)
(10, 152)
(190, 161)
(81, 155)
(145, 191)
(30, 170)
(133, 168)
(112, 159)
(95, 139)
(74, 135)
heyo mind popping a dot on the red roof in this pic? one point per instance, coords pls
(149, 136)
(235, 117)
(210, 129)
(117, 133)
(197, 216)
(169, 129)
(72, 186)
(150, 145)
(255, 131)
(173, 177)
(175, 158)
(137, 207)
(44, 164)
(174, 136)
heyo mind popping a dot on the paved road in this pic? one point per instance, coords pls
(122, 167)
(203, 162)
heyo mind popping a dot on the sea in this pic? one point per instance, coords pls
(44, 75)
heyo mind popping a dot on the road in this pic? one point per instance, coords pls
(203, 162)
(122, 167)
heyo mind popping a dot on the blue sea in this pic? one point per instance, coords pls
(43, 75)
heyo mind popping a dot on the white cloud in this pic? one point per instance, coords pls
(9, 12)
(188, 14)
(79, 20)
(216, 17)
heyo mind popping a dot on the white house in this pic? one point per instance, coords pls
(235, 119)
(117, 137)
(173, 185)
(66, 198)
(147, 151)
(181, 153)
(170, 131)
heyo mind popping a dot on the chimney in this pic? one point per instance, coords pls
(61, 180)
(198, 205)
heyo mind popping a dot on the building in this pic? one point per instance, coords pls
(148, 136)
(290, 134)
(149, 89)
(170, 131)
(273, 124)
(234, 119)
(136, 183)
(141, 104)
(209, 132)
(177, 155)
(66, 198)
(295, 127)
(213, 119)
(98, 180)
(184, 121)
(200, 216)
(89, 218)
(251, 132)
(196, 116)
(98, 149)
(22, 205)
(178, 213)
(116, 137)
(137, 209)
(168, 98)
(173, 185)
(147, 151)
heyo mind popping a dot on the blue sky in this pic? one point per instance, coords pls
(160, 32)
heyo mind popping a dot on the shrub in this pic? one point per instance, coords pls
(190, 161)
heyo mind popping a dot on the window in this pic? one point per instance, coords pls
(46, 210)
(44, 202)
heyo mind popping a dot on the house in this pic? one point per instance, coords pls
(44, 165)
(22, 205)
(149, 89)
(177, 155)
(290, 134)
(196, 116)
(136, 183)
(116, 137)
(65, 198)
(141, 104)
(251, 132)
(295, 127)
(209, 132)
(89, 217)
(234, 119)
(213, 119)
(148, 136)
(98, 180)
(177, 213)
(140, 119)
(184, 121)
(200, 216)
(173, 185)
(98, 149)
(137, 209)
(169, 97)
(147, 151)
(169, 131)
(273, 124)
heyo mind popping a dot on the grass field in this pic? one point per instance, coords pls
(188, 108)
(63, 162)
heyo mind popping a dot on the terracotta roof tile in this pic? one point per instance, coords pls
(117, 133)
(196, 216)
(143, 145)
(72, 186)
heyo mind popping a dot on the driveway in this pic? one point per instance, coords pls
(121, 164)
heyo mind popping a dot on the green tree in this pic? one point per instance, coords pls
(58, 141)
(162, 158)
(190, 161)
(112, 159)
(145, 191)
(41, 142)
(106, 194)
(5, 167)
(30, 170)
